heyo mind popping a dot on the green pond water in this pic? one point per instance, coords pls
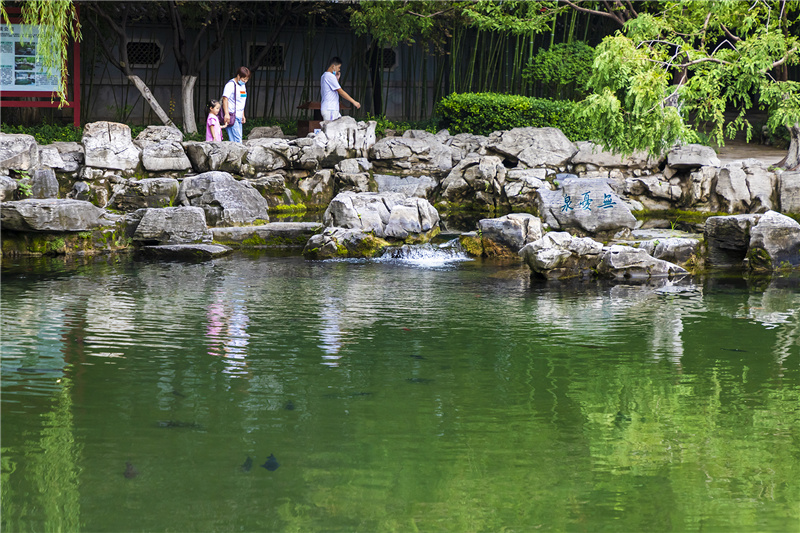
(393, 396)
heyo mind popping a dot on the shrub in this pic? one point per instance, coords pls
(47, 133)
(483, 113)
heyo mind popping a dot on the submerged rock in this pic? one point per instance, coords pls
(559, 255)
(338, 243)
(271, 464)
(185, 252)
(626, 262)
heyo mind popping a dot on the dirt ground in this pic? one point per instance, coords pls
(738, 150)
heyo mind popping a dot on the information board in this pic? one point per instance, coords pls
(21, 70)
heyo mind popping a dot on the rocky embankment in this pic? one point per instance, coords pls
(159, 195)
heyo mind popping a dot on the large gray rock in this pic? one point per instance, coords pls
(411, 157)
(266, 155)
(266, 132)
(390, 215)
(789, 187)
(344, 138)
(589, 205)
(590, 153)
(133, 194)
(692, 156)
(53, 215)
(728, 238)
(271, 235)
(677, 250)
(109, 145)
(215, 156)
(464, 144)
(337, 243)
(173, 225)
(8, 187)
(774, 243)
(318, 188)
(476, 179)
(418, 186)
(533, 147)
(18, 152)
(509, 233)
(185, 252)
(731, 190)
(227, 202)
(559, 255)
(762, 186)
(352, 175)
(158, 134)
(44, 184)
(72, 155)
(49, 157)
(164, 155)
(626, 262)
(521, 186)
(655, 192)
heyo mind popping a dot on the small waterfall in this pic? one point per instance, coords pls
(427, 255)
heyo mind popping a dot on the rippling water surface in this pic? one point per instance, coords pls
(394, 395)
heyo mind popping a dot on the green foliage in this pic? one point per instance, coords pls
(483, 113)
(693, 60)
(431, 125)
(565, 68)
(46, 133)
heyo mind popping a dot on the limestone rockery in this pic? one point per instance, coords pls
(159, 194)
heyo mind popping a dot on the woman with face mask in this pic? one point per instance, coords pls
(234, 97)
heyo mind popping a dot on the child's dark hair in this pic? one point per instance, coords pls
(211, 103)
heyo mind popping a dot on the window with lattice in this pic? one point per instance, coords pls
(388, 58)
(274, 59)
(144, 53)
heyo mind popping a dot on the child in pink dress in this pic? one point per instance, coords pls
(213, 127)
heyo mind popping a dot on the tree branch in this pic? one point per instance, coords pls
(592, 11)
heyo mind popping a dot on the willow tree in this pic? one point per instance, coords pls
(57, 22)
(687, 63)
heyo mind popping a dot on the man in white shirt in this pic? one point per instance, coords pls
(331, 90)
(234, 96)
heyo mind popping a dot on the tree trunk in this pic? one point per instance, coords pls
(792, 159)
(187, 97)
(150, 99)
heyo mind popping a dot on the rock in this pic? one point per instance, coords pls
(72, 155)
(732, 193)
(266, 132)
(559, 255)
(227, 202)
(673, 249)
(345, 138)
(269, 155)
(521, 186)
(173, 225)
(762, 186)
(590, 153)
(589, 205)
(80, 191)
(150, 192)
(164, 155)
(8, 186)
(335, 243)
(53, 215)
(352, 175)
(702, 185)
(109, 145)
(272, 188)
(692, 156)
(317, 189)
(508, 234)
(533, 147)
(158, 134)
(465, 144)
(774, 243)
(49, 157)
(273, 234)
(411, 157)
(420, 187)
(18, 152)
(475, 180)
(44, 184)
(215, 156)
(626, 262)
(185, 252)
(789, 187)
(415, 219)
(728, 238)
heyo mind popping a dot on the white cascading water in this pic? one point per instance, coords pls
(427, 255)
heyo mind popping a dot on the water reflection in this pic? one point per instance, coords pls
(226, 331)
